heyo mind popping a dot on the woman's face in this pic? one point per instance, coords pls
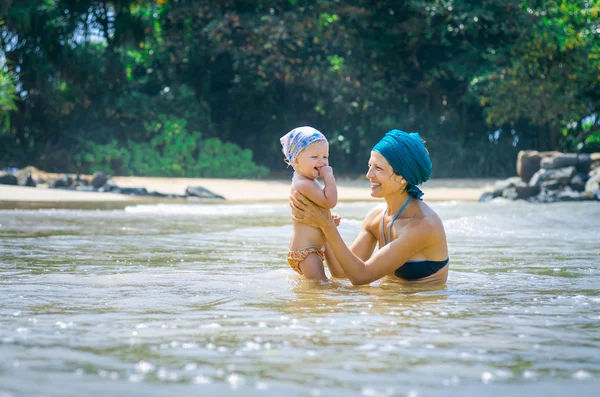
(383, 179)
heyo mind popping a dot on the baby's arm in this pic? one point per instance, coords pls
(326, 197)
(330, 189)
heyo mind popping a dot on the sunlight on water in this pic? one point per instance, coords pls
(199, 300)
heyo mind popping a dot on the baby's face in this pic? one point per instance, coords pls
(311, 159)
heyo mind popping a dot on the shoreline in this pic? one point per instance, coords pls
(235, 191)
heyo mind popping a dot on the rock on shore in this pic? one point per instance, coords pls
(99, 182)
(551, 176)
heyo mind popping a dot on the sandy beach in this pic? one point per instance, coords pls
(241, 190)
(234, 191)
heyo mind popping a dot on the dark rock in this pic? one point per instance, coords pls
(166, 195)
(135, 191)
(79, 181)
(37, 176)
(109, 186)
(486, 196)
(25, 177)
(157, 194)
(528, 163)
(562, 175)
(8, 178)
(510, 193)
(502, 185)
(525, 191)
(61, 182)
(551, 184)
(578, 182)
(514, 188)
(545, 196)
(584, 161)
(569, 195)
(199, 191)
(537, 178)
(560, 160)
(99, 179)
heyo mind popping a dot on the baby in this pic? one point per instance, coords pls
(307, 150)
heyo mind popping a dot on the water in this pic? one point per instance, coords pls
(199, 300)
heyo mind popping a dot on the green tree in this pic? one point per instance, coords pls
(7, 99)
(550, 77)
(479, 80)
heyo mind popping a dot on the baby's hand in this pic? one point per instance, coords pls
(325, 171)
(336, 218)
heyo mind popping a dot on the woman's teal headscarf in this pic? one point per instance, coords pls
(407, 155)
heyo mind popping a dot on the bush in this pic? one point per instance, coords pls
(172, 151)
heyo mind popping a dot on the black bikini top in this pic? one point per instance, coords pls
(412, 270)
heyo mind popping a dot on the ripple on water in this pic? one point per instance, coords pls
(199, 298)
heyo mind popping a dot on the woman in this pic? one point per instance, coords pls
(411, 237)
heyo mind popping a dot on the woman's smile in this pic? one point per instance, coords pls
(375, 185)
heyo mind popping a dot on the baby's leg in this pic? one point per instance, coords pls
(312, 268)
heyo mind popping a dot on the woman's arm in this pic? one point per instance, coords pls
(359, 271)
(332, 263)
(363, 247)
(364, 244)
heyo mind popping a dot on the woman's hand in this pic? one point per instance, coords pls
(305, 211)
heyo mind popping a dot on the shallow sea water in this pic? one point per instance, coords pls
(199, 300)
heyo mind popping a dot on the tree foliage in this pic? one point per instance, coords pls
(550, 76)
(84, 84)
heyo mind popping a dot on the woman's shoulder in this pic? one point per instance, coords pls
(429, 224)
(431, 229)
(373, 218)
(427, 216)
(375, 212)
(429, 213)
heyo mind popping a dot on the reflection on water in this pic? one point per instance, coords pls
(199, 300)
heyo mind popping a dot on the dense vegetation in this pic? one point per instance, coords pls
(206, 88)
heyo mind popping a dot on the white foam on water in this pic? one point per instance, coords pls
(210, 209)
